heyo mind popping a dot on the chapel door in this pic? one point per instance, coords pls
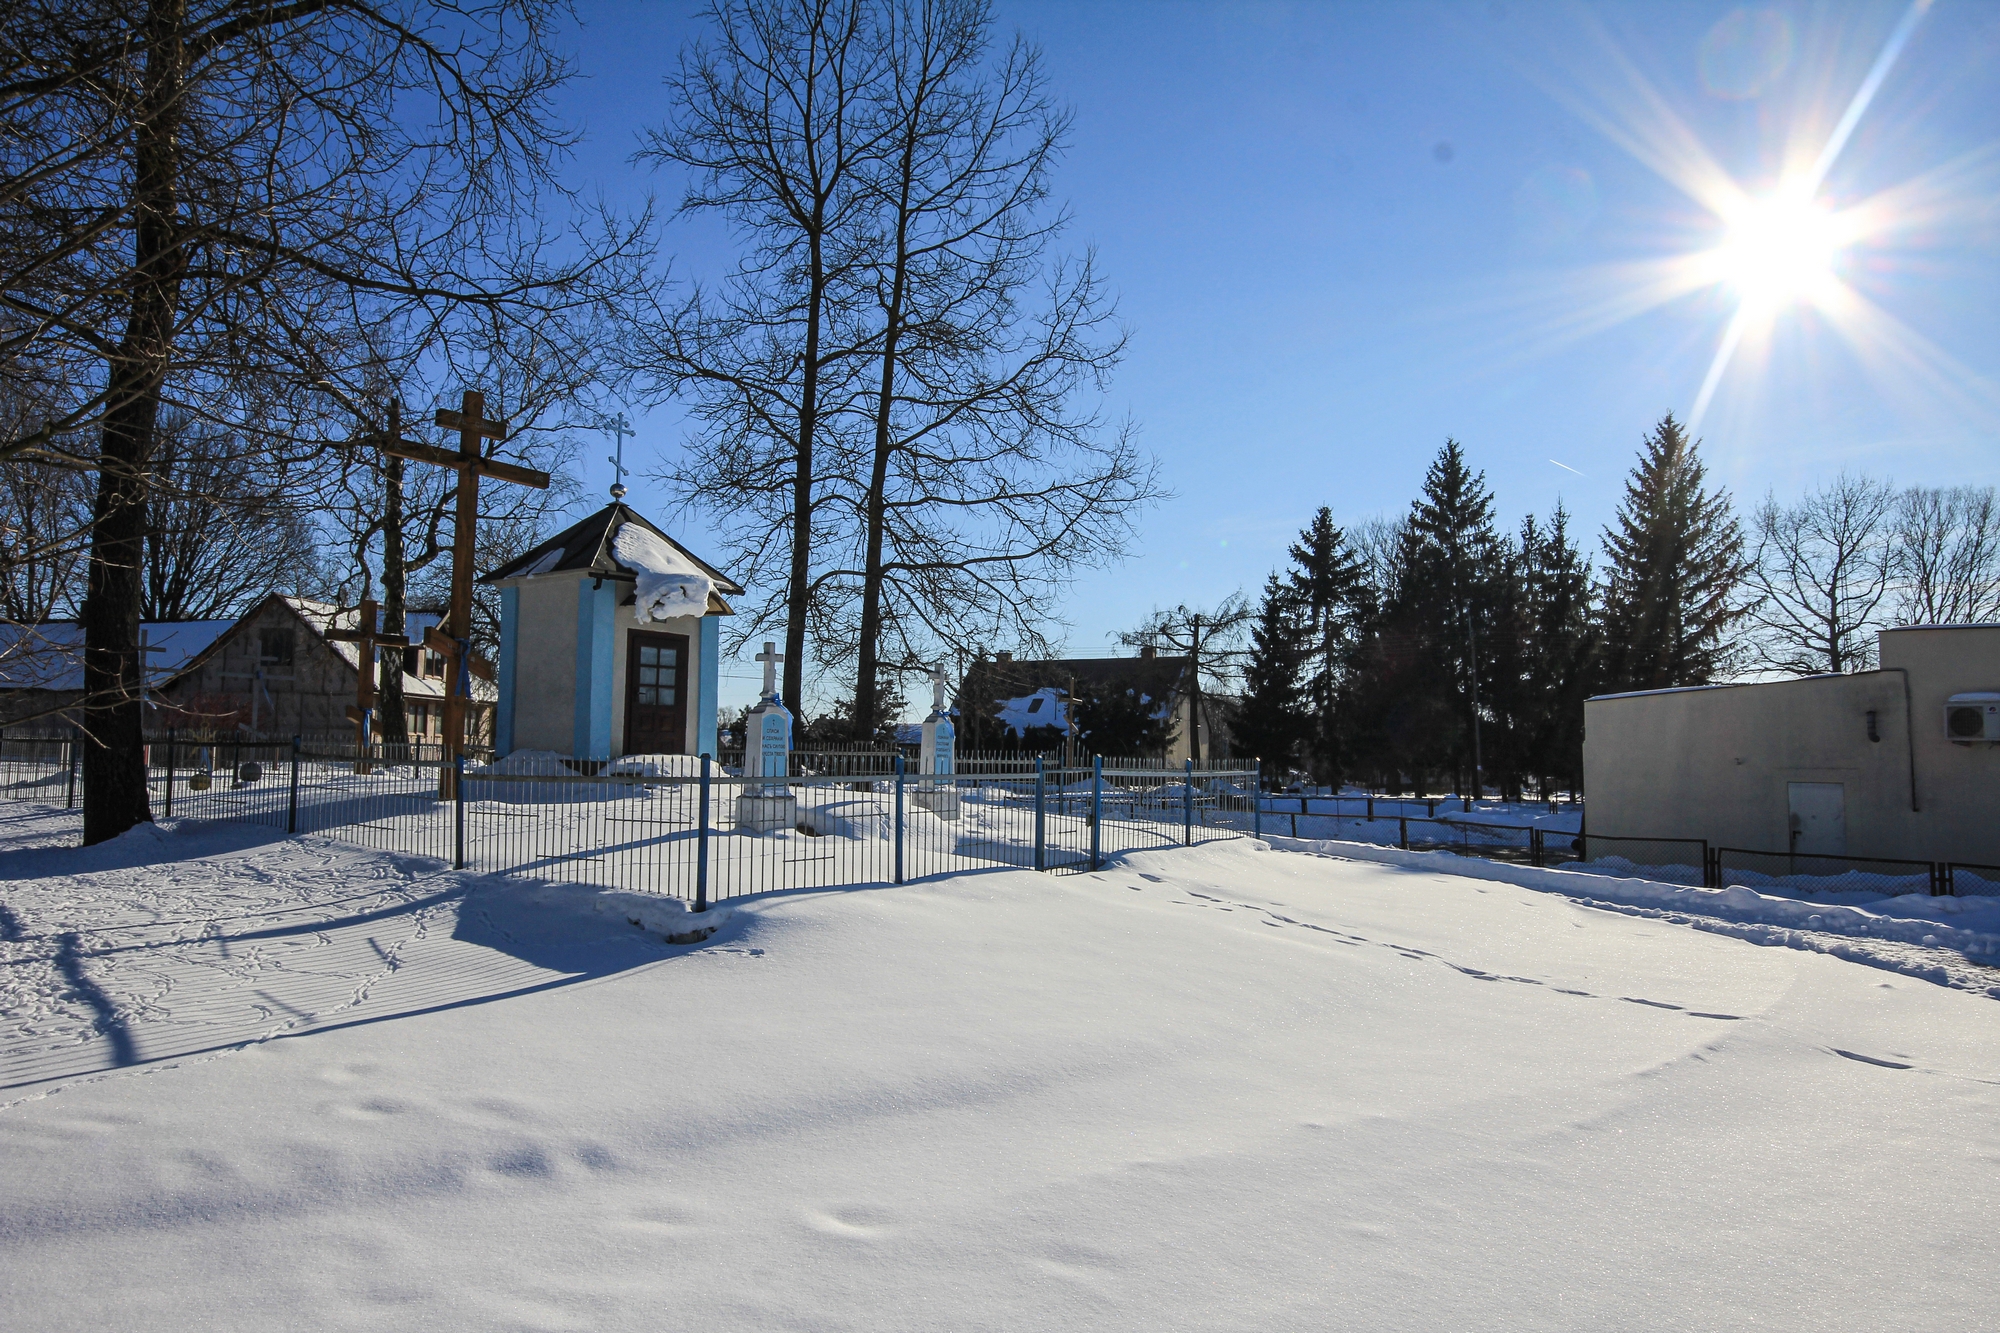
(656, 668)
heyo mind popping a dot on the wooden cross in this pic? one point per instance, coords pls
(362, 710)
(473, 426)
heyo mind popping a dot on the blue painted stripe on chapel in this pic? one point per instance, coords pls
(510, 638)
(603, 660)
(579, 741)
(705, 684)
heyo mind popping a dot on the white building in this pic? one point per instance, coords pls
(1901, 762)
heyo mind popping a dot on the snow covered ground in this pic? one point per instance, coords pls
(257, 1082)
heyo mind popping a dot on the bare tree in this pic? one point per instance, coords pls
(1947, 556)
(196, 191)
(984, 485)
(222, 530)
(1819, 575)
(771, 120)
(1213, 643)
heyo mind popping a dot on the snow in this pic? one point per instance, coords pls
(1044, 708)
(669, 584)
(1226, 1087)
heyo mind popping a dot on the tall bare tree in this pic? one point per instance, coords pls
(770, 118)
(1946, 565)
(988, 477)
(1819, 576)
(198, 190)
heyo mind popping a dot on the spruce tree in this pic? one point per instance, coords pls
(1272, 723)
(1447, 569)
(1560, 652)
(1329, 583)
(1675, 560)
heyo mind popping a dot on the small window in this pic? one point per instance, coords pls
(1036, 705)
(433, 663)
(274, 647)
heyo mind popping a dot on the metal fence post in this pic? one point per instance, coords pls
(1257, 800)
(171, 734)
(899, 819)
(458, 810)
(292, 801)
(1096, 809)
(701, 844)
(69, 795)
(1041, 821)
(1403, 832)
(1187, 806)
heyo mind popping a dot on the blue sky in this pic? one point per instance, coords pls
(1341, 233)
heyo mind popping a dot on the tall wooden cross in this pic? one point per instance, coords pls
(473, 426)
(362, 711)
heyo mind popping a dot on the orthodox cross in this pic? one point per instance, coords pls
(472, 425)
(362, 711)
(618, 428)
(770, 657)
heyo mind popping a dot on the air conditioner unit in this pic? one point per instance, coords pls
(1972, 718)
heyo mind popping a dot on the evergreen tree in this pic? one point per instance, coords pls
(1675, 560)
(1272, 724)
(1559, 655)
(1330, 586)
(1448, 566)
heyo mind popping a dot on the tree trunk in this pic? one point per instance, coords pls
(868, 665)
(392, 717)
(798, 596)
(114, 755)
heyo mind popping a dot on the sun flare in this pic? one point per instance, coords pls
(1779, 250)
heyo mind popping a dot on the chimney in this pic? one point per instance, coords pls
(1148, 651)
(1003, 657)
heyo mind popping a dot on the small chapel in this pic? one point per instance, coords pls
(610, 642)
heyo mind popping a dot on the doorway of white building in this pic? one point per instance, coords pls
(1819, 817)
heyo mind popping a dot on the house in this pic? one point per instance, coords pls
(610, 642)
(41, 665)
(1901, 762)
(275, 673)
(1004, 702)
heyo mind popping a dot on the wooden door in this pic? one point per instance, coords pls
(656, 680)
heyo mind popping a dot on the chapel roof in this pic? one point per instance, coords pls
(586, 546)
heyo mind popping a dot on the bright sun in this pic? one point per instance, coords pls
(1779, 250)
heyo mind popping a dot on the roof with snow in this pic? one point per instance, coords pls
(602, 545)
(49, 655)
(1022, 694)
(319, 617)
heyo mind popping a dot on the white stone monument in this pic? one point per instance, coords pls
(937, 789)
(767, 753)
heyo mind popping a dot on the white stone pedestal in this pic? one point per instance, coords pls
(757, 812)
(941, 801)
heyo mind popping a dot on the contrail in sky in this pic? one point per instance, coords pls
(1565, 467)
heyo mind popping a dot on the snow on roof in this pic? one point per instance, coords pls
(669, 584)
(1044, 708)
(49, 655)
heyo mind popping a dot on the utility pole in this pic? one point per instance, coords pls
(1472, 645)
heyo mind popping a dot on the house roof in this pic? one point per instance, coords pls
(49, 655)
(586, 547)
(989, 680)
(319, 617)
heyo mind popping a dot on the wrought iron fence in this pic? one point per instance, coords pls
(681, 826)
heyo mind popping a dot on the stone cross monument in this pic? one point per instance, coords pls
(937, 791)
(767, 754)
